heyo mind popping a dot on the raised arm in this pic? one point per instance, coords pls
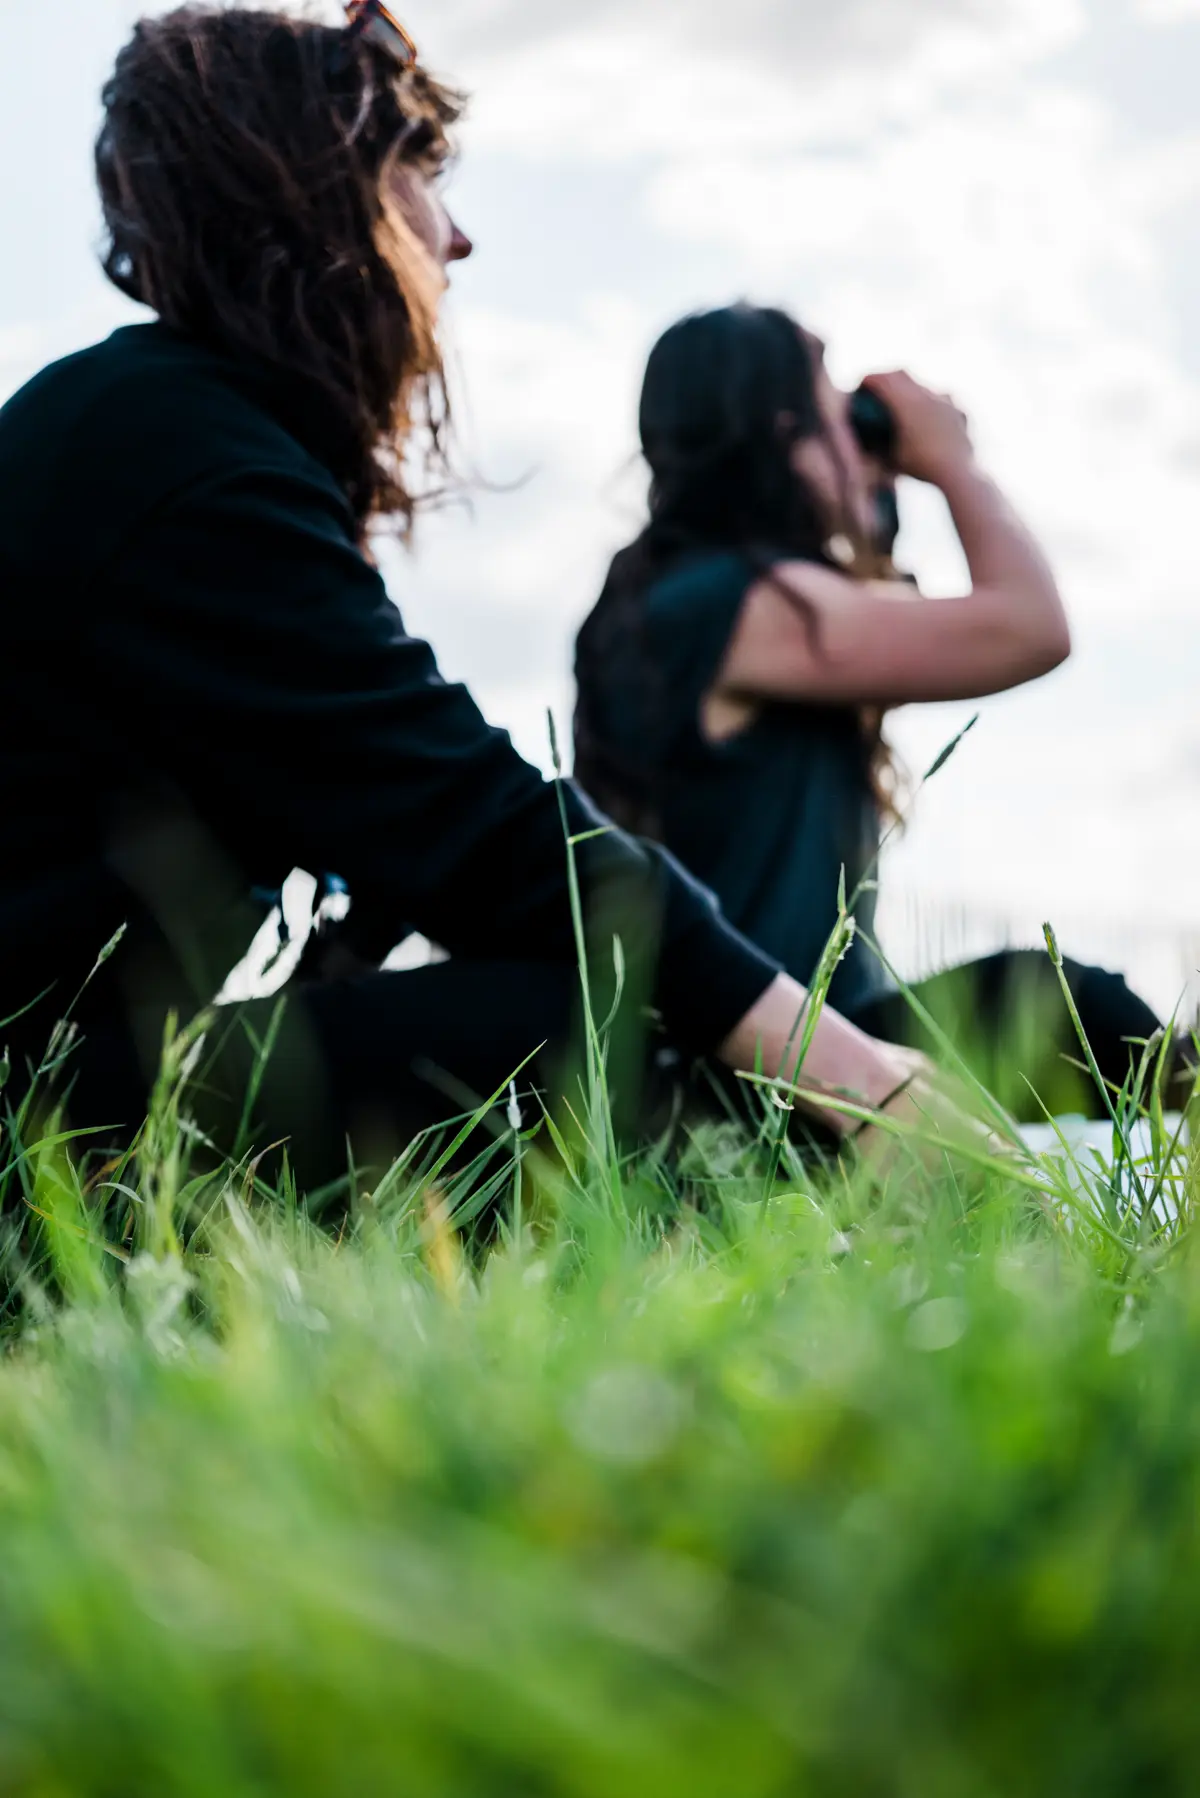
(811, 633)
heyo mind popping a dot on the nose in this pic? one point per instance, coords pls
(460, 244)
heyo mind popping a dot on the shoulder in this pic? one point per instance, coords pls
(700, 587)
(690, 616)
(154, 395)
(822, 586)
(116, 430)
(804, 600)
(143, 414)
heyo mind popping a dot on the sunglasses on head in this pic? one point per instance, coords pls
(371, 21)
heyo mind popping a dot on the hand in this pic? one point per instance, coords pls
(934, 436)
(844, 1063)
(939, 1112)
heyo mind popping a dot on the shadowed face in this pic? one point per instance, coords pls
(416, 194)
(833, 463)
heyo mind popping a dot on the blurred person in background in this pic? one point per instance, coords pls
(735, 678)
(204, 682)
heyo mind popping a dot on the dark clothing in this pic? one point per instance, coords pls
(371, 1063)
(768, 820)
(1007, 1018)
(377, 1060)
(204, 685)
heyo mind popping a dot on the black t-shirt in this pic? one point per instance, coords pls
(768, 820)
(203, 684)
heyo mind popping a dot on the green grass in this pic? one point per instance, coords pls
(575, 1473)
(723, 1478)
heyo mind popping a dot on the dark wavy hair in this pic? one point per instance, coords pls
(244, 165)
(727, 396)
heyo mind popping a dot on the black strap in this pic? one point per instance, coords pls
(872, 1122)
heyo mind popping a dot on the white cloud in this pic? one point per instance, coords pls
(1167, 12)
(811, 37)
(1006, 250)
(634, 81)
(502, 586)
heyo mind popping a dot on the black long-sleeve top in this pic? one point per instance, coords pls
(204, 684)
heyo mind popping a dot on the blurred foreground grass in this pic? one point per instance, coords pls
(724, 1478)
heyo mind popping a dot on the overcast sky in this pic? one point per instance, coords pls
(1003, 195)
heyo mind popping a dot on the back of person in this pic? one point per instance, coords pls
(59, 754)
(773, 817)
(116, 812)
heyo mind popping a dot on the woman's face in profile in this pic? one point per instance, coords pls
(416, 194)
(833, 464)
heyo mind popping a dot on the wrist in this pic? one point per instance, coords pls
(842, 1061)
(848, 1064)
(958, 469)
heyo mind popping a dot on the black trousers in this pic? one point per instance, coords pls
(1008, 1019)
(363, 1065)
(356, 1068)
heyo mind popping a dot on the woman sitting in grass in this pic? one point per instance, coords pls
(204, 683)
(736, 673)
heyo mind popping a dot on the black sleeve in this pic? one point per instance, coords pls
(263, 661)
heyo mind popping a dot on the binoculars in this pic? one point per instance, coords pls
(874, 426)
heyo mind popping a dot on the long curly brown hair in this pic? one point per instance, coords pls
(245, 166)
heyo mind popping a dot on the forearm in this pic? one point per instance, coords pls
(1002, 553)
(842, 1061)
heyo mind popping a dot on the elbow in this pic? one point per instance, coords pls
(1058, 645)
(1046, 639)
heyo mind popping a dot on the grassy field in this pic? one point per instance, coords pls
(712, 1478)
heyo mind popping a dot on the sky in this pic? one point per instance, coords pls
(1002, 195)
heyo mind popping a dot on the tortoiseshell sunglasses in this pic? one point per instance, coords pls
(371, 20)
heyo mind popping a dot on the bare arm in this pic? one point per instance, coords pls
(845, 642)
(843, 1062)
